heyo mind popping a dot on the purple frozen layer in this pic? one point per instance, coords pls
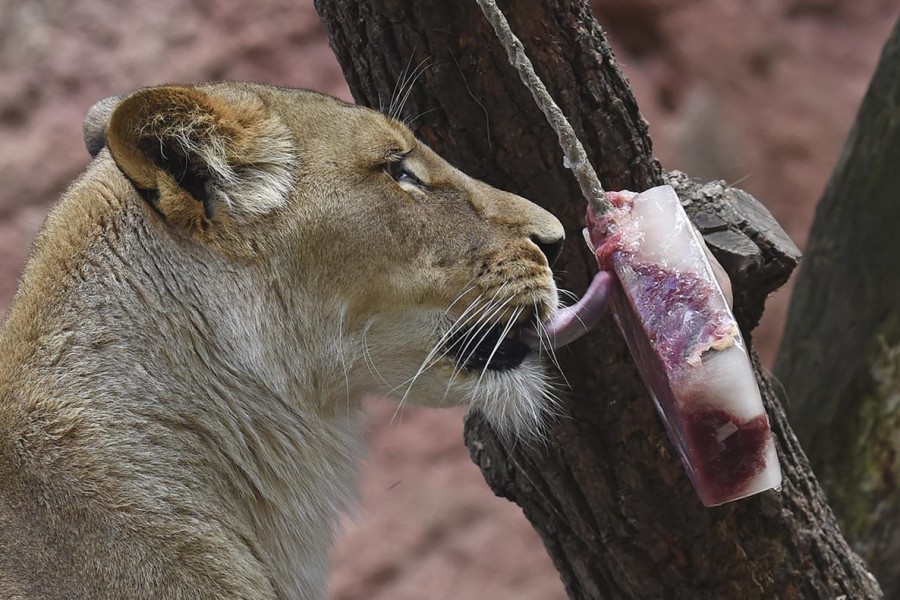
(677, 313)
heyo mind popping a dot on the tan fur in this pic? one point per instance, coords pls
(182, 368)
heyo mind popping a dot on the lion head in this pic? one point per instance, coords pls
(379, 267)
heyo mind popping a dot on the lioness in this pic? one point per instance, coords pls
(182, 368)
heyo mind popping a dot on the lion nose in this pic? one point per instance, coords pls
(550, 246)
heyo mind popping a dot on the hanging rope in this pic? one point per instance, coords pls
(575, 156)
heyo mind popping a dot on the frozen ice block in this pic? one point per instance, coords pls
(686, 343)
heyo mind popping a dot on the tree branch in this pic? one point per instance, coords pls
(840, 358)
(607, 492)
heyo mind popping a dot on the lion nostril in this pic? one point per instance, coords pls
(550, 248)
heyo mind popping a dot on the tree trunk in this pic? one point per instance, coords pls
(840, 359)
(606, 492)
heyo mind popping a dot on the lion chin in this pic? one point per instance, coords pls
(182, 369)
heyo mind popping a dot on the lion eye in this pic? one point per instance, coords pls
(401, 174)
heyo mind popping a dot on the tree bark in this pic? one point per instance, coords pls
(840, 358)
(606, 492)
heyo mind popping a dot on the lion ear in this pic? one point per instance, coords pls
(196, 154)
(95, 122)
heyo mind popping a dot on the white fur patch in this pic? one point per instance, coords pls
(261, 182)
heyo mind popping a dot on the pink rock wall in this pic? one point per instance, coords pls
(760, 92)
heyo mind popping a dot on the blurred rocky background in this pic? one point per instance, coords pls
(758, 93)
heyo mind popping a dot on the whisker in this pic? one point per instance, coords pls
(425, 365)
(485, 324)
(460, 322)
(460, 296)
(544, 336)
(398, 85)
(409, 122)
(509, 325)
(367, 355)
(487, 116)
(458, 367)
(343, 354)
(409, 85)
(567, 293)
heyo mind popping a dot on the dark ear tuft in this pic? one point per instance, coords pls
(189, 172)
(95, 122)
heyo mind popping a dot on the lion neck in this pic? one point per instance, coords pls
(200, 407)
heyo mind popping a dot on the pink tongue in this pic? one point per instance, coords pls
(570, 323)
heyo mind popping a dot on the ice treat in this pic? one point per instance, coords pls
(676, 319)
(686, 343)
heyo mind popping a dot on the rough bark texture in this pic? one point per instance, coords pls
(840, 359)
(606, 492)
